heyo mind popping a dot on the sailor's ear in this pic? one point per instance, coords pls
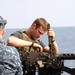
(3, 32)
(33, 25)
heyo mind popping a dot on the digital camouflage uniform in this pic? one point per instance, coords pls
(10, 63)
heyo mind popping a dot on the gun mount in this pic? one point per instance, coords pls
(50, 65)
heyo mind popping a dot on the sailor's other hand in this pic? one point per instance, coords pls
(38, 47)
(51, 33)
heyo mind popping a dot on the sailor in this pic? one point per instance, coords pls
(10, 63)
(38, 28)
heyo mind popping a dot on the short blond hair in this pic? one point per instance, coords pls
(41, 22)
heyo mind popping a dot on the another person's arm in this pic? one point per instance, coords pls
(14, 41)
(55, 48)
(54, 44)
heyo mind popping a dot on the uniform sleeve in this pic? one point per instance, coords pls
(17, 34)
(17, 61)
(19, 70)
(11, 62)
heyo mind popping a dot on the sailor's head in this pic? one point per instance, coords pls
(2, 22)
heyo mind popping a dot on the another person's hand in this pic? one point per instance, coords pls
(38, 47)
(51, 34)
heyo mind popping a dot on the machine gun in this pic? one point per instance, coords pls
(44, 64)
(47, 64)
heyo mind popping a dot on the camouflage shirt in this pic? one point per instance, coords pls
(10, 63)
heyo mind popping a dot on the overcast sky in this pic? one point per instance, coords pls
(21, 13)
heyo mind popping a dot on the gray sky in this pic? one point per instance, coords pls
(21, 13)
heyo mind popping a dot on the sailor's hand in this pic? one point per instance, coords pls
(38, 47)
(51, 33)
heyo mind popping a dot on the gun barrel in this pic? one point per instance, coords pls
(68, 56)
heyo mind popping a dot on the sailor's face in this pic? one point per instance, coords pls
(38, 32)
